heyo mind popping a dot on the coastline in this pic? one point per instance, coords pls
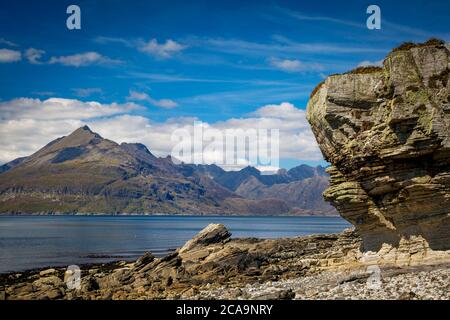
(161, 215)
(214, 266)
(15, 277)
(108, 238)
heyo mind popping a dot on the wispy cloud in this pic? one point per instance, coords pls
(141, 96)
(279, 46)
(34, 55)
(86, 92)
(387, 26)
(161, 78)
(84, 59)
(7, 56)
(8, 43)
(109, 40)
(415, 32)
(276, 48)
(294, 65)
(230, 99)
(164, 50)
(44, 93)
(304, 17)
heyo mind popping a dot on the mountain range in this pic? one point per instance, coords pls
(85, 173)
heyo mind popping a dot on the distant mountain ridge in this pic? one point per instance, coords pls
(85, 173)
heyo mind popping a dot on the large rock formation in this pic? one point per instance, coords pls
(386, 132)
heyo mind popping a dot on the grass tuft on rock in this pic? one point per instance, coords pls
(409, 45)
(365, 70)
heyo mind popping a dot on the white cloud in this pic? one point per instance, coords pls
(284, 110)
(7, 55)
(84, 59)
(287, 65)
(60, 109)
(296, 138)
(162, 103)
(163, 50)
(109, 40)
(294, 65)
(34, 55)
(28, 124)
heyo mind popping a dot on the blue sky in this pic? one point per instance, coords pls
(213, 60)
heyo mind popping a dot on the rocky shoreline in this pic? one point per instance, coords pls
(212, 265)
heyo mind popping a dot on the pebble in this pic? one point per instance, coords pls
(423, 285)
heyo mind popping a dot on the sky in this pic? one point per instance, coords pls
(138, 70)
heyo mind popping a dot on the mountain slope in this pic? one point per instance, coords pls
(303, 196)
(85, 173)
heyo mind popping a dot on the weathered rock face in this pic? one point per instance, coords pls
(386, 132)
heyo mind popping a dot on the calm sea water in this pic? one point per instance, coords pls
(35, 242)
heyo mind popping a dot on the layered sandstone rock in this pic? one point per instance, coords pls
(386, 132)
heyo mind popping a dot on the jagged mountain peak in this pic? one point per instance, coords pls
(251, 170)
(83, 135)
(85, 128)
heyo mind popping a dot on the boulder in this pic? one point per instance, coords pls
(144, 260)
(213, 233)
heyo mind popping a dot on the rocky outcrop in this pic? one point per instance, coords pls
(386, 133)
(208, 261)
(213, 233)
(214, 266)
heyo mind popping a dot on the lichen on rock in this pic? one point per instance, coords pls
(386, 134)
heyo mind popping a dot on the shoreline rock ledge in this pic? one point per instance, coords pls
(386, 132)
